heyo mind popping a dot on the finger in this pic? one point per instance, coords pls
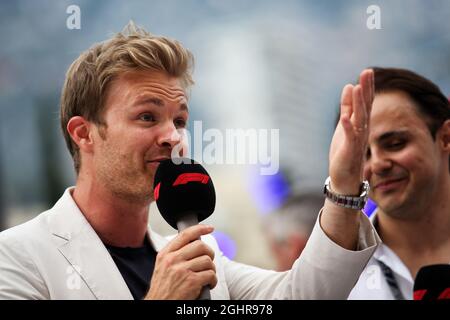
(347, 109)
(186, 236)
(199, 264)
(359, 113)
(372, 90)
(195, 249)
(364, 80)
(347, 101)
(207, 277)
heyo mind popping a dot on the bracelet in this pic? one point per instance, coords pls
(352, 202)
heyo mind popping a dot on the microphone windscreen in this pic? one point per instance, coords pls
(432, 282)
(182, 188)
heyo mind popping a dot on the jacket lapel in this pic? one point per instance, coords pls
(84, 250)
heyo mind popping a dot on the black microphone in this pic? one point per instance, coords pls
(185, 195)
(432, 283)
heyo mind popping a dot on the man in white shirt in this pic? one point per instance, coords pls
(122, 103)
(407, 164)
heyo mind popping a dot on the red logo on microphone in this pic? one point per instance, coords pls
(191, 177)
(156, 191)
(418, 294)
(445, 294)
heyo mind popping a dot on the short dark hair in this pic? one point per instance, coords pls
(430, 101)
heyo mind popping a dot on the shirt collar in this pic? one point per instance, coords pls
(389, 257)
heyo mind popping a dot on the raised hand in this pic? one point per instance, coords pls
(350, 138)
(347, 160)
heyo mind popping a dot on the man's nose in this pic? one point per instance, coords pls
(168, 135)
(378, 164)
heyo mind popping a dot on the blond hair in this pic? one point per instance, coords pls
(133, 49)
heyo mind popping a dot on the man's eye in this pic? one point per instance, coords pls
(368, 154)
(396, 145)
(180, 123)
(147, 117)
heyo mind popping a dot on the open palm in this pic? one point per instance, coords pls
(349, 141)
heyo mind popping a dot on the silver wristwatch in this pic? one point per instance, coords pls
(352, 202)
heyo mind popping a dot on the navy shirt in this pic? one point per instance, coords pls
(136, 266)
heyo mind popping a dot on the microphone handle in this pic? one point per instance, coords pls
(191, 219)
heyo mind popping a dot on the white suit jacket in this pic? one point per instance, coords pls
(58, 255)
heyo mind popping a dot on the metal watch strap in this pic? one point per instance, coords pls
(352, 202)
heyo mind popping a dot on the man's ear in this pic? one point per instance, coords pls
(444, 136)
(80, 131)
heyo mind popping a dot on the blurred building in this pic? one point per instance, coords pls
(261, 65)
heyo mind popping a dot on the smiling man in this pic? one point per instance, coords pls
(407, 165)
(122, 103)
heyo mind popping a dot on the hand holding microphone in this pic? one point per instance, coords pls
(185, 195)
(184, 267)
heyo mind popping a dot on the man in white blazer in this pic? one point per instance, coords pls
(122, 103)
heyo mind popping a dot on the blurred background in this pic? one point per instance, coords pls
(259, 64)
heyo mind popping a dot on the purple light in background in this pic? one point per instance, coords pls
(226, 244)
(370, 207)
(268, 192)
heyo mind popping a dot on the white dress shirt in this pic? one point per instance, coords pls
(372, 284)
